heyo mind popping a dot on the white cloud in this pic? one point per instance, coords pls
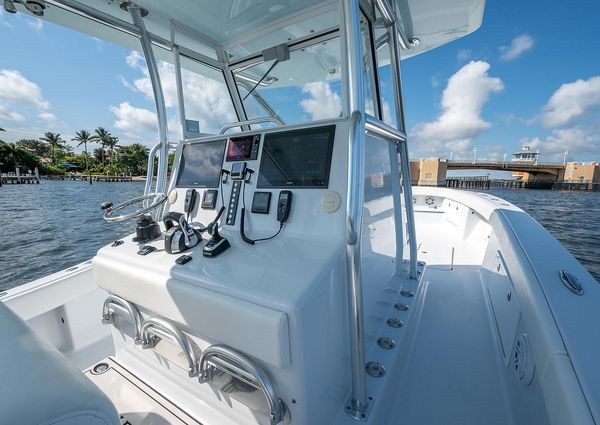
(571, 101)
(7, 115)
(21, 100)
(463, 99)
(3, 20)
(134, 121)
(206, 99)
(463, 54)
(323, 102)
(49, 118)
(99, 44)
(518, 46)
(14, 87)
(578, 140)
(35, 23)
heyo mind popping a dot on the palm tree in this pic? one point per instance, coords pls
(12, 156)
(55, 142)
(83, 138)
(112, 143)
(103, 137)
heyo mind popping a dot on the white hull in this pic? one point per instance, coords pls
(491, 276)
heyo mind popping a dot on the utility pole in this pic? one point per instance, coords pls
(474, 154)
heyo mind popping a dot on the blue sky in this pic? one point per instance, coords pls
(527, 76)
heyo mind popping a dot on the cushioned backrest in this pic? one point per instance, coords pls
(38, 385)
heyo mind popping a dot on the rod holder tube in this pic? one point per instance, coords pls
(159, 99)
(355, 105)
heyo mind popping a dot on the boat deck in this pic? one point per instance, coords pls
(136, 402)
(454, 373)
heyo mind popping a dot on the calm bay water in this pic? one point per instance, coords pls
(51, 226)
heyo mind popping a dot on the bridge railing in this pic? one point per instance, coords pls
(511, 163)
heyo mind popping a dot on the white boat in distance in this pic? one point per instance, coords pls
(287, 272)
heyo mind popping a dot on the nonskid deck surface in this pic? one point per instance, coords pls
(454, 371)
(136, 402)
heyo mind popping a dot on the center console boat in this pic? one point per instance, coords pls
(288, 272)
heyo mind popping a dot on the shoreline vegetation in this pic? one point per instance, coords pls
(52, 156)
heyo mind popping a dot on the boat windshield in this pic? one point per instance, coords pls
(307, 87)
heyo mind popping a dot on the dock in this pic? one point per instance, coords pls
(95, 178)
(18, 178)
(476, 182)
(34, 178)
(6, 179)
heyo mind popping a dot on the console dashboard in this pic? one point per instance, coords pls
(259, 184)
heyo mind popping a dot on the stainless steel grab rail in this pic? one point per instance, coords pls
(250, 122)
(137, 14)
(155, 329)
(381, 129)
(114, 305)
(243, 368)
(150, 168)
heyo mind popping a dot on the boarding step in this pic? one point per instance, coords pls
(136, 402)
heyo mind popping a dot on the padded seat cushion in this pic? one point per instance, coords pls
(38, 385)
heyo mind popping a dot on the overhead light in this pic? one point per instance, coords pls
(9, 6)
(36, 7)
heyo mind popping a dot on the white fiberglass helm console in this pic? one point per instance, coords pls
(279, 281)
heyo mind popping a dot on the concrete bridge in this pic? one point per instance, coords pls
(544, 167)
(433, 172)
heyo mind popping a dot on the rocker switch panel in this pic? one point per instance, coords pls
(233, 202)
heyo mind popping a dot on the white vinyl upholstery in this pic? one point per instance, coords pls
(39, 386)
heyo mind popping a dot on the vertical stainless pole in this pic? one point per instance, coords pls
(159, 100)
(179, 83)
(403, 150)
(355, 104)
(238, 103)
(396, 194)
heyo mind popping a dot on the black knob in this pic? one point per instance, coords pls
(106, 205)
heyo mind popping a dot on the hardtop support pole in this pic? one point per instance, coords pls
(355, 104)
(179, 84)
(159, 99)
(403, 149)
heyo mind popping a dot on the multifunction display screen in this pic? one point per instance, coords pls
(201, 164)
(243, 148)
(299, 158)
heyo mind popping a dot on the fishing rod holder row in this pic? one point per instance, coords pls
(215, 360)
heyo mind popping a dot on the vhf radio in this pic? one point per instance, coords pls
(284, 205)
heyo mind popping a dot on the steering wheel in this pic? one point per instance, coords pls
(150, 202)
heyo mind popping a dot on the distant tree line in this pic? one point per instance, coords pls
(51, 150)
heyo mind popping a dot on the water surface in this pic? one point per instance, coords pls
(51, 226)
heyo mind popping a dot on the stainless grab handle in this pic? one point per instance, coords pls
(114, 305)
(250, 122)
(155, 328)
(243, 368)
